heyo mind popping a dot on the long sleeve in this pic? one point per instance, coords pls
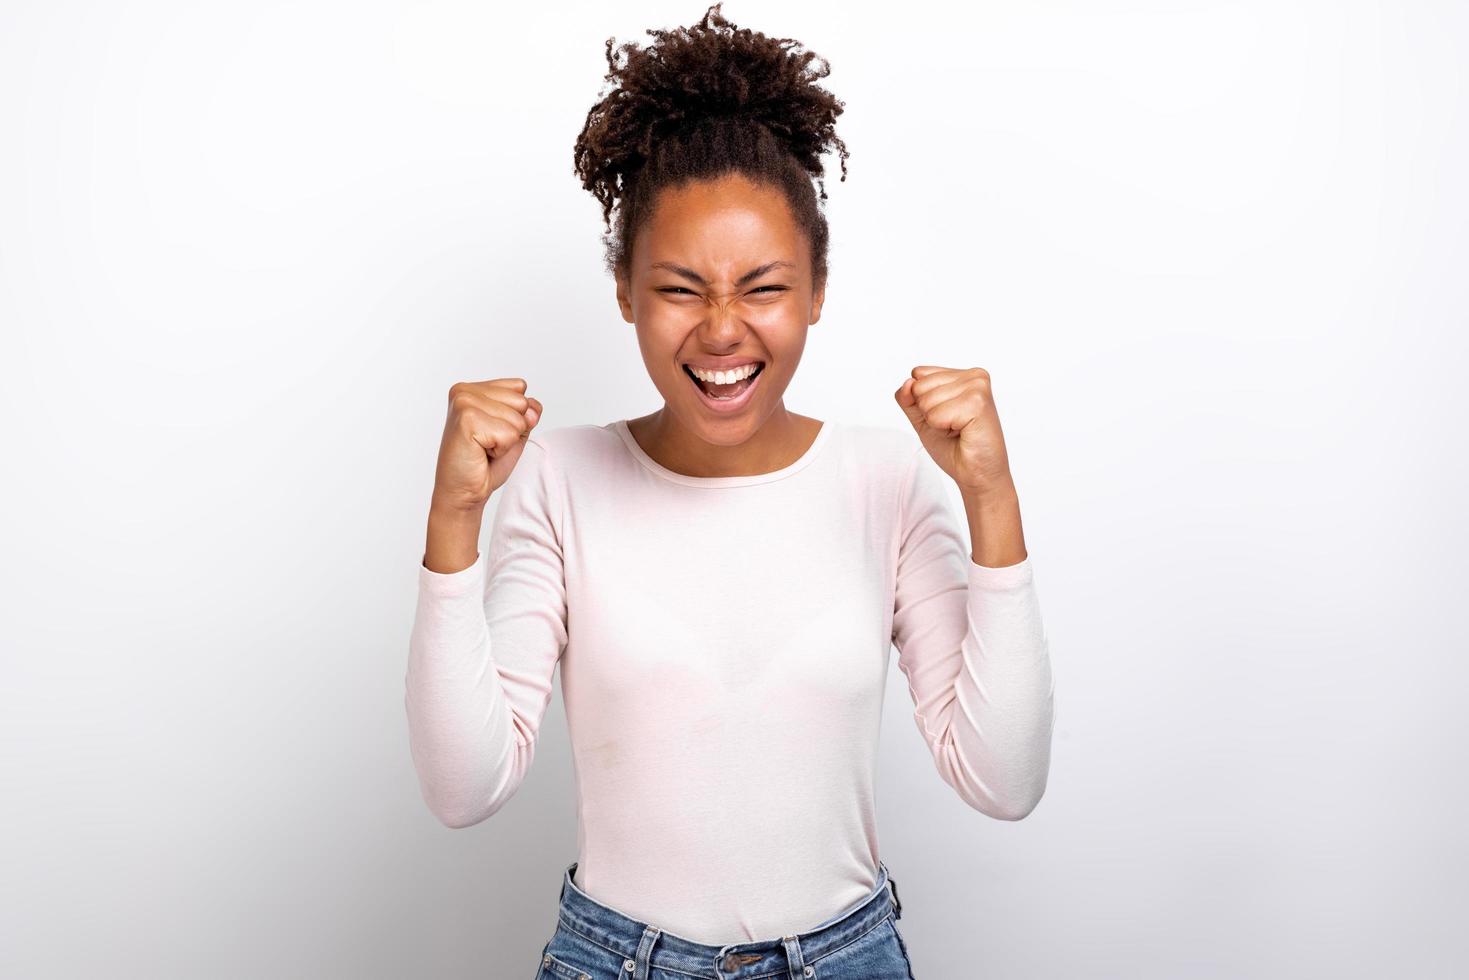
(484, 647)
(973, 647)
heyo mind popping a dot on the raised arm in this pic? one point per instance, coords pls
(484, 647)
(973, 648)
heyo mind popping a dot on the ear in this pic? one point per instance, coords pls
(817, 298)
(624, 298)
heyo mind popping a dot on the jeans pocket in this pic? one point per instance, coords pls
(570, 956)
(554, 969)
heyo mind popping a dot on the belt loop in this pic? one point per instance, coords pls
(897, 904)
(642, 966)
(797, 965)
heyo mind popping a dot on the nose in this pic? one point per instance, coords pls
(722, 327)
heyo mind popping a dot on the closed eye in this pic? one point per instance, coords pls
(685, 289)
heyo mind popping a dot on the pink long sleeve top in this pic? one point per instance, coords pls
(723, 645)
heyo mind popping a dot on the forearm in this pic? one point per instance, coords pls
(459, 719)
(1002, 739)
(973, 645)
(460, 722)
(996, 538)
(453, 537)
(489, 631)
(998, 757)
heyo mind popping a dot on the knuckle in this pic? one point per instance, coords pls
(461, 393)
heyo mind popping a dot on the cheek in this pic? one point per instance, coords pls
(787, 339)
(670, 323)
(785, 315)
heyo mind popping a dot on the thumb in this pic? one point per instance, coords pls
(909, 404)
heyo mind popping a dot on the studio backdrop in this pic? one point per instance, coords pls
(1211, 254)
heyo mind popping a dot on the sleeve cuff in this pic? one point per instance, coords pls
(1004, 577)
(450, 584)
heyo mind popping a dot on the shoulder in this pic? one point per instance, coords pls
(572, 451)
(553, 463)
(569, 443)
(876, 460)
(881, 450)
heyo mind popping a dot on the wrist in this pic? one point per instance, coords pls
(991, 495)
(455, 511)
(995, 536)
(452, 544)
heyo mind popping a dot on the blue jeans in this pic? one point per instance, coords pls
(595, 942)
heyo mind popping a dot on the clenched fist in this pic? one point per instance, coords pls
(484, 435)
(953, 412)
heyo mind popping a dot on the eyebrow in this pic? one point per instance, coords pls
(754, 273)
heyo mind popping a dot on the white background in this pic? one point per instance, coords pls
(1213, 255)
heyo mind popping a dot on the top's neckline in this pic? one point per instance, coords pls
(750, 479)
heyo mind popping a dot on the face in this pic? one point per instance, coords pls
(720, 275)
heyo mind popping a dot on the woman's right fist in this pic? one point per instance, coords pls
(483, 437)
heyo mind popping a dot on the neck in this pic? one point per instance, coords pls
(731, 449)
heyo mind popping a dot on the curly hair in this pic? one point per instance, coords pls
(702, 102)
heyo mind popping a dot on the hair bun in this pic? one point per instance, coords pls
(714, 71)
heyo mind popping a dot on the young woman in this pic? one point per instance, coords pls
(721, 581)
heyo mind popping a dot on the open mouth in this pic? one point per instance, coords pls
(725, 393)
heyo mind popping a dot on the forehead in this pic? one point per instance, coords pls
(720, 224)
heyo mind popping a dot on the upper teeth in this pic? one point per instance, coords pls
(724, 377)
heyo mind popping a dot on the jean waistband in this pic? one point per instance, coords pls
(645, 946)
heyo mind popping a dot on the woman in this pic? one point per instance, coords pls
(721, 581)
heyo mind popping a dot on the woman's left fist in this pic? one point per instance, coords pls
(953, 412)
